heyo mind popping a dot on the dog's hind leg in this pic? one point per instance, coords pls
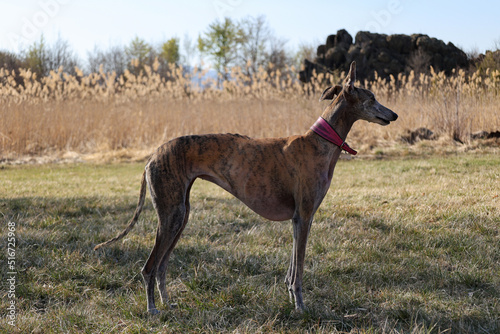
(161, 270)
(169, 228)
(169, 199)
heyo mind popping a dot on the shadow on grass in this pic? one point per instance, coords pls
(54, 245)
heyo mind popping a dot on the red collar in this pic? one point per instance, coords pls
(325, 130)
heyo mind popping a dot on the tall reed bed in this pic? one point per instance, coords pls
(100, 112)
(455, 105)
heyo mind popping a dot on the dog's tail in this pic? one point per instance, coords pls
(132, 222)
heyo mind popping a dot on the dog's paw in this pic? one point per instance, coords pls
(153, 311)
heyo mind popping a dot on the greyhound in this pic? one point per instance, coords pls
(278, 178)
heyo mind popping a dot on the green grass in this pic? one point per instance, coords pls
(398, 246)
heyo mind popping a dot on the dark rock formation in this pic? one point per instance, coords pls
(485, 135)
(411, 137)
(384, 54)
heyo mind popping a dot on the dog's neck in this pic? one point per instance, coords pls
(324, 130)
(338, 115)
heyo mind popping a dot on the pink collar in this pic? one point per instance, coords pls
(325, 130)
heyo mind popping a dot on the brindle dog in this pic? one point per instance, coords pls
(278, 178)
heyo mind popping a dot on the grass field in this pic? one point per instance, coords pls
(398, 246)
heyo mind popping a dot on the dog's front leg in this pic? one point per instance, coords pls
(149, 280)
(301, 228)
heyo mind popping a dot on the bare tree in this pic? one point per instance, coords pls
(42, 58)
(473, 53)
(12, 63)
(112, 60)
(277, 55)
(189, 48)
(305, 51)
(496, 44)
(61, 55)
(9, 61)
(256, 36)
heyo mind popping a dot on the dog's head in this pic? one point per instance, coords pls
(361, 102)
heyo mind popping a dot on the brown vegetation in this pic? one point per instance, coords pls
(101, 112)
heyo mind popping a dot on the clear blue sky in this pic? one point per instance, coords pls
(87, 23)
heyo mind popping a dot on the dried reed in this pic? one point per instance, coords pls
(101, 112)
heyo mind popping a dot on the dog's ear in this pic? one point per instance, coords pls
(351, 78)
(330, 92)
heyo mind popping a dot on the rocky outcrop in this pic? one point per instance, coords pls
(485, 135)
(384, 54)
(411, 137)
